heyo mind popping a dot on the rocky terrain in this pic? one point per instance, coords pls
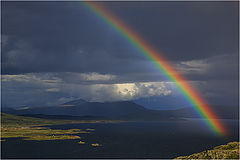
(229, 151)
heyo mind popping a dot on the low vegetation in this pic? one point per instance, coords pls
(81, 142)
(40, 133)
(51, 137)
(29, 128)
(96, 144)
(9, 121)
(229, 151)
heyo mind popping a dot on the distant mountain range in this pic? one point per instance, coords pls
(80, 109)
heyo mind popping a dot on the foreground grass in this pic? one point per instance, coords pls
(229, 151)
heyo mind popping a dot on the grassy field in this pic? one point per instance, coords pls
(29, 128)
(229, 151)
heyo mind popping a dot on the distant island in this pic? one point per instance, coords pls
(229, 151)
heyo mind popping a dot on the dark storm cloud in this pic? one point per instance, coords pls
(64, 41)
(222, 67)
(61, 37)
(184, 30)
(65, 36)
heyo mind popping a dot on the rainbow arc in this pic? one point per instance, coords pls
(162, 64)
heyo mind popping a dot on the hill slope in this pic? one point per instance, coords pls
(83, 108)
(229, 151)
(8, 120)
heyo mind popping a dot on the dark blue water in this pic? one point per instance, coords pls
(126, 140)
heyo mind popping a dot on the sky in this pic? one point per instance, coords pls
(54, 52)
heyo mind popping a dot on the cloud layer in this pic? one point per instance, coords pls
(49, 84)
(57, 51)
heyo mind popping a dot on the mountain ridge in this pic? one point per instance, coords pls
(120, 110)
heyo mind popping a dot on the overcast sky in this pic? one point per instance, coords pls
(53, 52)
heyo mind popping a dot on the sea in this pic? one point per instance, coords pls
(148, 140)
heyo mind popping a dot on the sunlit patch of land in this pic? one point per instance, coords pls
(22, 108)
(51, 137)
(40, 133)
(96, 144)
(29, 128)
(66, 105)
(229, 151)
(81, 142)
(90, 129)
(21, 122)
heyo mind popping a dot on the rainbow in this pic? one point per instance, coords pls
(162, 64)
